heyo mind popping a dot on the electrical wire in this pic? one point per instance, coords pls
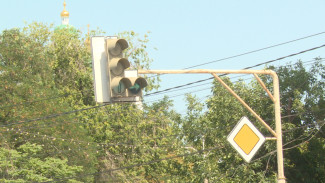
(38, 118)
(239, 76)
(74, 141)
(131, 166)
(136, 165)
(218, 60)
(173, 157)
(309, 62)
(262, 63)
(55, 115)
(192, 91)
(99, 148)
(65, 95)
(154, 161)
(269, 154)
(246, 53)
(177, 156)
(34, 101)
(253, 51)
(52, 116)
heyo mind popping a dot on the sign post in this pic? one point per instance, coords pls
(275, 98)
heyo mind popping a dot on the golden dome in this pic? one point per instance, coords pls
(64, 13)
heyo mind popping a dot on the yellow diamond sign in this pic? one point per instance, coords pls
(246, 139)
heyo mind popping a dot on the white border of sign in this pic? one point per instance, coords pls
(244, 120)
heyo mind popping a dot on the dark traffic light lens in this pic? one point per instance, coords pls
(135, 88)
(120, 88)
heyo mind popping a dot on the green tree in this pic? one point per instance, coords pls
(22, 165)
(46, 73)
(302, 99)
(134, 137)
(31, 97)
(209, 130)
(138, 54)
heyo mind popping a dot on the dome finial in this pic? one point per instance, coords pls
(64, 13)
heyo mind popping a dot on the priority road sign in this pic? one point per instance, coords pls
(246, 139)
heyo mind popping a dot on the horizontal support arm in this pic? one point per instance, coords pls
(206, 71)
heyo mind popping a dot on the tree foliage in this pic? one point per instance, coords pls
(52, 130)
(46, 74)
(22, 165)
(302, 99)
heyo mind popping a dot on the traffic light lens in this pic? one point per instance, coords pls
(135, 88)
(117, 50)
(120, 88)
(118, 70)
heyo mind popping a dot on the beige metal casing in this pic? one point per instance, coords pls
(100, 72)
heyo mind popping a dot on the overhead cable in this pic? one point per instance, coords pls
(51, 116)
(262, 63)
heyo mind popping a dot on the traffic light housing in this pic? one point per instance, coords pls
(112, 82)
(116, 66)
(137, 83)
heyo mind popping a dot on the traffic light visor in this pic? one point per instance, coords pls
(118, 65)
(137, 85)
(116, 46)
(119, 85)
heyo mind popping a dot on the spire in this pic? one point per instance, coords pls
(65, 15)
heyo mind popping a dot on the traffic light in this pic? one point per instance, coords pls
(116, 66)
(137, 83)
(112, 82)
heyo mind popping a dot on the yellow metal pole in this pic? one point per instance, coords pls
(278, 127)
(207, 71)
(275, 98)
(264, 87)
(244, 104)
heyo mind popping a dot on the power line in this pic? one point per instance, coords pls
(285, 149)
(139, 164)
(20, 131)
(35, 101)
(204, 84)
(162, 160)
(166, 90)
(193, 91)
(103, 145)
(53, 116)
(263, 63)
(218, 60)
(246, 53)
(190, 154)
(97, 147)
(253, 51)
(173, 157)
(272, 152)
(69, 112)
